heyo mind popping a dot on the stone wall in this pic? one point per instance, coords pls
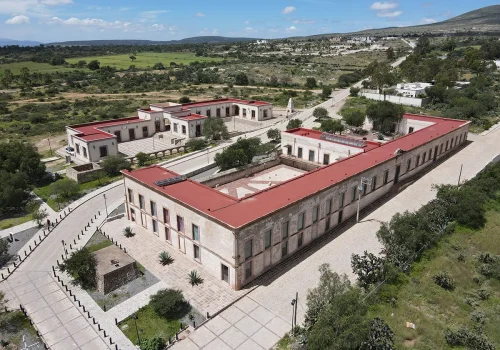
(115, 279)
(299, 163)
(85, 172)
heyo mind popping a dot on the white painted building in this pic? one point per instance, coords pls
(94, 141)
(412, 89)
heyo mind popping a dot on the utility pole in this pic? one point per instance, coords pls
(50, 147)
(364, 182)
(460, 174)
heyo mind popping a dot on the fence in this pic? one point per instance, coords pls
(409, 101)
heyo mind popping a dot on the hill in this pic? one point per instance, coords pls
(9, 42)
(193, 40)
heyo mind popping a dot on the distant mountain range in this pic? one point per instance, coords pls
(7, 42)
(486, 19)
(193, 40)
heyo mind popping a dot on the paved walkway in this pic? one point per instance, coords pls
(210, 296)
(277, 288)
(61, 324)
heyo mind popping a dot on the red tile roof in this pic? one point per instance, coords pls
(239, 212)
(316, 134)
(193, 116)
(223, 100)
(92, 131)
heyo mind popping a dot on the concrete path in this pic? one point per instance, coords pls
(278, 287)
(61, 324)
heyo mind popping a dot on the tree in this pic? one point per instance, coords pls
(423, 46)
(7, 78)
(64, 188)
(239, 153)
(293, 124)
(310, 83)
(320, 113)
(81, 64)
(14, 192)
(142, 158)
(18, 156)
(196, 144)
(81, 265)
(390, 54)
(94, 65)
(4, 252)
(274, 134)
(25, 75)
(354, 117)
(383, 76)
(132, 58)
(330, 286)
(169, 304)
(184, 99)
(342, 324)
(159, 66)
(326, 92)
(332, 126)
(381, 336)
(215, 129)
(37, 213)
(369, 268)
(155, 343)
(112, 165)
(241, 79)
(354, 91)
(385, 115)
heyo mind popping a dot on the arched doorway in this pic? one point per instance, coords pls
(236, 110)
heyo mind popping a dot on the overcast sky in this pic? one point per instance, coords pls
(59, 20)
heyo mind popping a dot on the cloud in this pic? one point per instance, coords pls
(246, 22)
(21, 19)
(389, 14)
(304, 21)
(207, 31)
(250, 30)
(427, 21)
(157, 27)
(199, 14)
(291, 29)
(90, 22)
(151, 14)
(55, 2)
(380, 6)
(288, 9)
(125, 8)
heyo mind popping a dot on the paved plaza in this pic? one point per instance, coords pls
(260, 181)
(159, 142)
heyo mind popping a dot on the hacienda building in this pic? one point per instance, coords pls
(94, 141)
(243, 223)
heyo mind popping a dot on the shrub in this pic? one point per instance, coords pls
(64, 188)
(184, 99)
(196, 144)
(170, 304)
(165, 258)
(465, 337)
(443, 280)
(274, 134)
(156, 343)
(194, 278)
(81, 265)
(483, 294)
(381, 336)
(142, 158)
(293, 124)
(4, 251)
(354, 91)
(127, 232)
(112, 165)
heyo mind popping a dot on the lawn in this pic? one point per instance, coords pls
(149, 325)
(14, 221)
(145, 59)
(33, 67)
(434, 310)
(98, 246)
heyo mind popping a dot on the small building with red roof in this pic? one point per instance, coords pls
(239, 237)
(96, 140)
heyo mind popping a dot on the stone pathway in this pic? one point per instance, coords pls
(211, 296)
(59, 321)
(246, 325)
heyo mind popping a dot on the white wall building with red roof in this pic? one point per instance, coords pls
(94, 141)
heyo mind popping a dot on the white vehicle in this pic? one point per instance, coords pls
(70, 150)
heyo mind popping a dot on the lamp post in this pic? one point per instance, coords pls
(364, 182)
(50, 147)
(105, 204)
(136, 329)
(295, 303)
(293, 313)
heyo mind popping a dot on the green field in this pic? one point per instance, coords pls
(33, 67)
(144, 59)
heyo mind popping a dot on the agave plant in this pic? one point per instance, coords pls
(128, 232)
(165, 258)
(194, 278)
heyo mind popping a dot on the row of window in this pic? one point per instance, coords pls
(248, 249)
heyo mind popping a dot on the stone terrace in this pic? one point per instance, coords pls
(210, 296)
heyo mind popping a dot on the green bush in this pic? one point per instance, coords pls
(194, 278)
(156, 343)
(142, 158)
(443, 280)
(127, 232)
(165, 258)
(81, 265)
(112, 165)
(170, 304)
(196, 144)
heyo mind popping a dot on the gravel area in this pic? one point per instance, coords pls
(21, 238)
(125, 292)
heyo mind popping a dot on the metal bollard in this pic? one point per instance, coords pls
(79, 304)
(110, 341)
(208, 315)
(74, 241)
(39, 236)
(99, 212)
(99, 327)
(93, 320)
(125, 250)
(83, 306)
(78, 237)
(15, 264)
(30, 248)
(8, 270)
(116, 321)
(2, 276)
(74, 297)
(88, 314)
